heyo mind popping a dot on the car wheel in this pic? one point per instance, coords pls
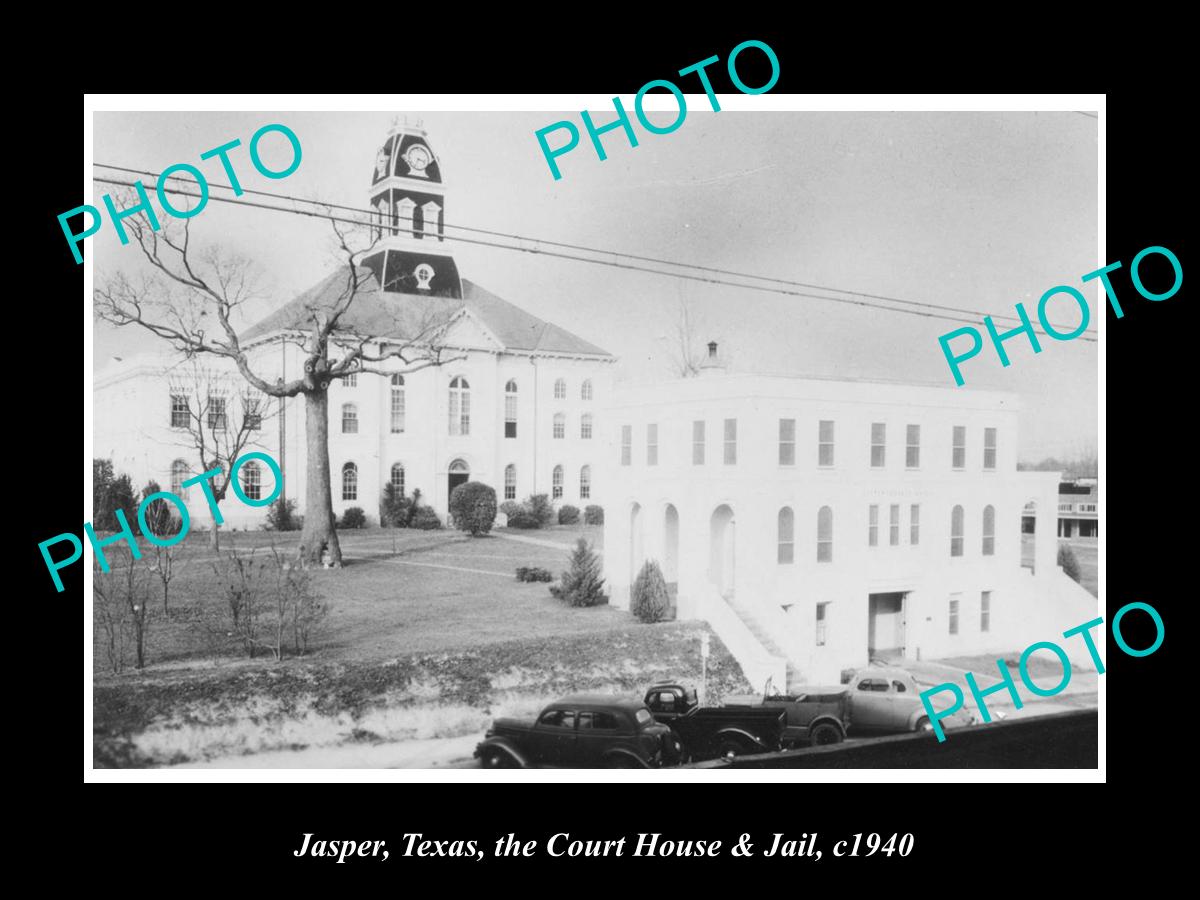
(824, 734)
(923, 724)
(620, 761)
(731, 747)
(498, 759)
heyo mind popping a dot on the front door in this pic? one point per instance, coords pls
(885, 626)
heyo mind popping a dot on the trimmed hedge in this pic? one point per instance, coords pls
(473, 506)
(593, 515)
(568, 515)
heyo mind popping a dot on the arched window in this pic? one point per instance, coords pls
(349, 418)
(404, 216)
(989, 531)
(460, 407)
(585, 389)
(398, 477)
(179, 474)
(429, 219)
(397, 404)
(252, 481)
(585, 426)
(956, 531)
(825, 534)
(560, 389)
(556, 483)
(510, 409)
(349, 481)
(787, 531)
(560, 425)
(585, 483)
(510, 482)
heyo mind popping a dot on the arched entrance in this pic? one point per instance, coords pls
(671, 550)
(635, 542)
(721, 551)
(459, 473)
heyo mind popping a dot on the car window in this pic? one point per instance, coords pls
(666, 700)
(597, 721)
(558, 718)
(643, 716)
(873, 684)
(899, 686)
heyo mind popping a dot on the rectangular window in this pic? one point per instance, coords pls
(698, 443)
(954, 599)
(730, 442)
(873, 527)
(989, 448)
(510, 415)
(914, 524)
(894, 525)
(878, 444)
(985, 611)
(350, 380)
(397, 410)
(253, 416)
(912, 450)
(959, 460)
(652, 445)
(1087, 507)
(179, 411)
(787, 442)
(216, 413)
(1065, 507)
(822, 617)
(825, 443)
(626, 444)
(787, 529)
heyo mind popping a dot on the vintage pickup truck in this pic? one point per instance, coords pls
(705, 732)
(874, 700)
(582, 732)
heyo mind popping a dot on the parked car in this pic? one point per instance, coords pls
(817, 717)
(705, 732)
(584, 732)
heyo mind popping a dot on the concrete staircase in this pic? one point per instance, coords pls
(771, 631)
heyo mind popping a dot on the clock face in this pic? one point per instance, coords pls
(417, 158)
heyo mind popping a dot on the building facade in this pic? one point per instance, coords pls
(515, 404)
(820, 524)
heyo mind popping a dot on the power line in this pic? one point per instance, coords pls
(650, 259)
(610, 263)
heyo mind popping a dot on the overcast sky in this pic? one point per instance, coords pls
(975, 210)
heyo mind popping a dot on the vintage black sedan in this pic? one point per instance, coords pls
(586, 731)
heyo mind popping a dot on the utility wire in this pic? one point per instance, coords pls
(613, 264)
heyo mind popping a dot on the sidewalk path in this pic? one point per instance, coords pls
(537, 542)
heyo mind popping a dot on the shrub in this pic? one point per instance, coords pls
(568, 515)
(111, 492)
(510, 508)
(533, 573)
(281, 516)
(473, 506)
(540, 507)
(354, 517)
(649, 600)
(162, 517)
(523, 519)
(425, 518)
(393, 507)
(1066, 559)
(581, 585)
(593, 515)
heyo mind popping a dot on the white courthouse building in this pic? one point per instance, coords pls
(519, 410)
(817, 524)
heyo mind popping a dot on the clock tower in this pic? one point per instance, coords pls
(408, 199)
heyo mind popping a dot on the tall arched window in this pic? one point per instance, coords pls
(560, 425)
(429, 219)
(510, 482)
(989, 531)
(556, 483)
(349, 418)
(585, 389)
(349, 481)
(825, 534)
(460, 406)
(956, 531)
(252, 481)
(560, 389)
(585, 483)
(405, 211)
(397, 404)
(787, 532)
(179, 474)
(585, 426)
(398, 477)
(510, 409)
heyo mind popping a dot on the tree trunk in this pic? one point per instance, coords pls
(318, 534)
(214, 539)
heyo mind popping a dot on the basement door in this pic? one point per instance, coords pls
(885, 628)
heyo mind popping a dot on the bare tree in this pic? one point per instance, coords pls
(186, 293)
(217, 417)
(123, 609)
(686, 349)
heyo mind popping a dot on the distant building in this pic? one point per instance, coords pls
(819, 524)
(1078, 510)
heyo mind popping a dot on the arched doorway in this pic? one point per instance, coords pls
(671, 550)
(721, 551)
(459, 473)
